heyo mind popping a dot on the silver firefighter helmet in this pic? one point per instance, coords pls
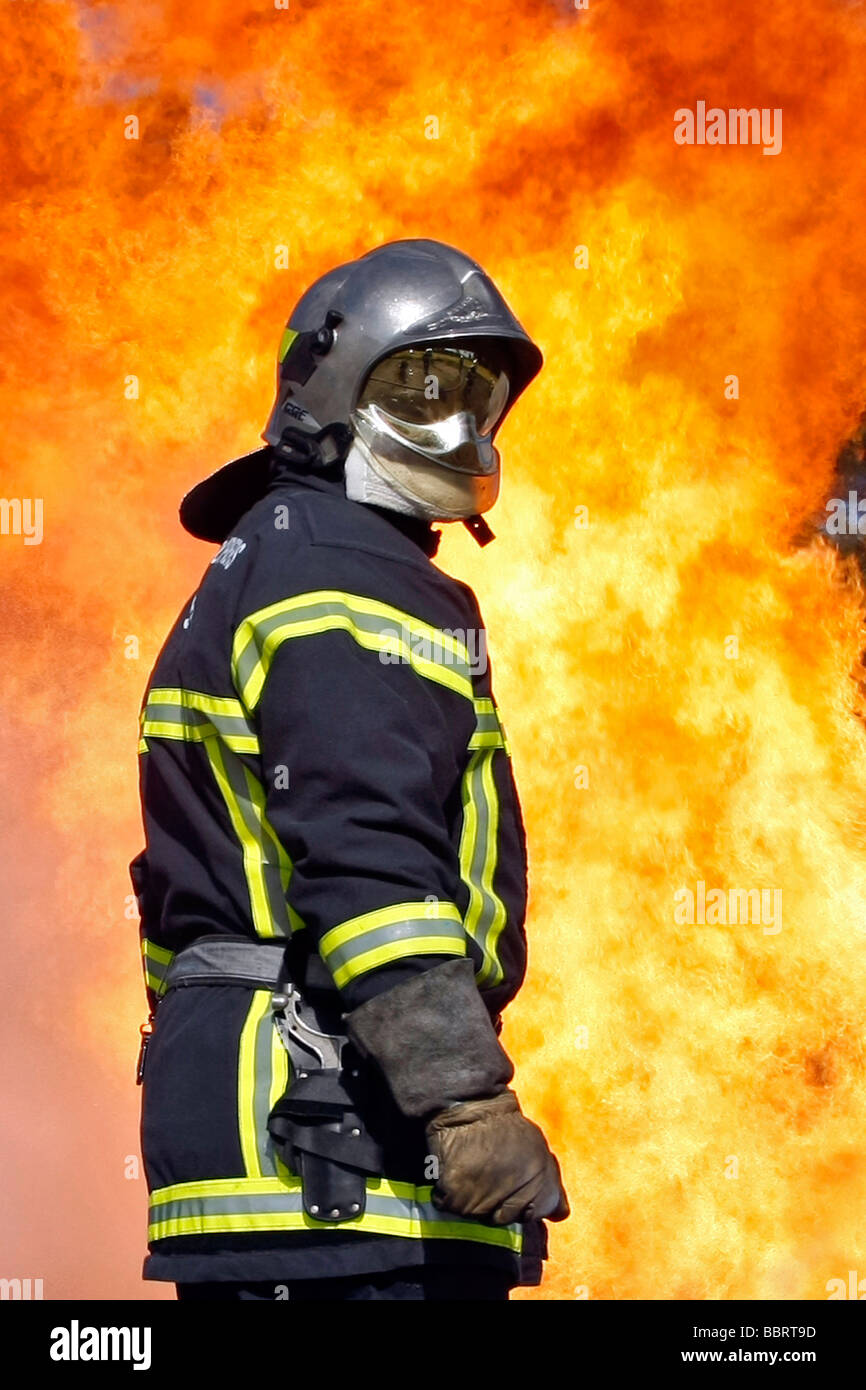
(390, 310)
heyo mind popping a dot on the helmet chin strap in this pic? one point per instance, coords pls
(478, 529)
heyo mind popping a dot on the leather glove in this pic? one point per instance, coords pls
(434, 1042)
(495, 1162)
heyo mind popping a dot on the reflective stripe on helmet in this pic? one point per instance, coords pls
(289, 336)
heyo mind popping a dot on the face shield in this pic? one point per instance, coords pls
(435, 406)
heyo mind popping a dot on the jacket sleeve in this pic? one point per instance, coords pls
(155, 959)
(361, 758)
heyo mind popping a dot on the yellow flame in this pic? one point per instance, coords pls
(677, 678)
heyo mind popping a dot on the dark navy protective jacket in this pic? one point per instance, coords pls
(321, 759)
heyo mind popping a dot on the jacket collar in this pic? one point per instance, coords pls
(330, 481)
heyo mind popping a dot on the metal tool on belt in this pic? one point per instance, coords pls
(315, 1125)
(316, 1122)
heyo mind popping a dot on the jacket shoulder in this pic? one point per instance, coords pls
(298, 540)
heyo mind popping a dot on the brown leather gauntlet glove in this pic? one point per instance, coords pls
(494, 1162)
(435, 1044)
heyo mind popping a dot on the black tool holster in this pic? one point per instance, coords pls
(316, 1125)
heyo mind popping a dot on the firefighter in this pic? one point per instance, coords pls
(333, 888)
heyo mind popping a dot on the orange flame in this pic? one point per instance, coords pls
(703, 1083)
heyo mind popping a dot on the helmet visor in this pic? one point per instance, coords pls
(441, 403)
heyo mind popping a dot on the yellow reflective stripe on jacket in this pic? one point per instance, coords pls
(485, 914)
(155, 961)
(267, 866)
(275, 1204)
(224, 730)
(193, 716)
(433, 652)
(221, 726)
(388, 933)
(262, 1078)
(489, 730)
(436, 655)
